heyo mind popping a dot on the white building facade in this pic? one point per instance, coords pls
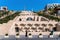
(29, 24)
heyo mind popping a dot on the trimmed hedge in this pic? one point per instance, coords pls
(50, 17)
(10, 17)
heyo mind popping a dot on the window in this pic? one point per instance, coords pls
(33, 28)
(44, 25)
(50, 24)
(22, 24)
(56, 25)
(16, 25)
(36, 24)
(6, 34)
(55, 28)
(51, 33)
(16, 29)
(46, 29)
(29, 34)
(40, 34)
(29, 19)
(37, 19)
(34, 18)
(17, 34)
(26, 28)
(43, 19)
(29, 24)
(20, 19)
(40, 28)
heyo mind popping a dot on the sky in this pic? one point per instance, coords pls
(35, 5)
